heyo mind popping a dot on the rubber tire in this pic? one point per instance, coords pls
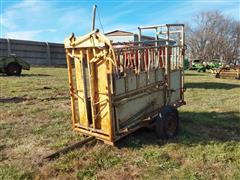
(168, 115)
(13, 69)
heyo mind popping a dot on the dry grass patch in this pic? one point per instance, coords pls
(36, 120)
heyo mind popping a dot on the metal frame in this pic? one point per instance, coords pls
(105, 64)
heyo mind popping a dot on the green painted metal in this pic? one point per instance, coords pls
(200, 66)
(186, 64)
(5, 61)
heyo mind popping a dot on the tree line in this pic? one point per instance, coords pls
(213, 35)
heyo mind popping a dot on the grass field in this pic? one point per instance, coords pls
(35, 121)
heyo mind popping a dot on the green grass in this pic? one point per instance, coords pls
(35, 120)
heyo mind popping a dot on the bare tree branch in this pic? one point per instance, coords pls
(213, 36)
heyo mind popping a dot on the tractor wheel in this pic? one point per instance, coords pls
(13, 69)
(167, 123)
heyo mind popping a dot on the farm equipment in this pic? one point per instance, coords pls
(195, 64)
(13, 65)
(117, 88)
(214, 64)
(201, 66)
(228, 72)
(198, 65)
(186, 64)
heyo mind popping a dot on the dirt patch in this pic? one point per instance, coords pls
(13, 100)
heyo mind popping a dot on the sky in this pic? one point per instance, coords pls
(54, 20)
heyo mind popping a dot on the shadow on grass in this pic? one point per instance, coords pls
(191, 74)
(13, 100)
(196, 128)
(26, 75)
(55, 98)
(211, 85)
(24, 98)
(34, 75)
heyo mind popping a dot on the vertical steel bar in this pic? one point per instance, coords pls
(9, 47)
(110, 92)
(91, 72)
(139, 34)
(149, 62)
(93, 18)
(156, 53)
(71, 88)
(182, 68)
(168, 65)
(139, 54)
(85, 90)
(145, 59)
(48, 54)
(135, 61)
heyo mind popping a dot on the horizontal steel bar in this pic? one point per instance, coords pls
(160, 25)
(95, 134)
(170, 32)
(91, 129)
(142, 48)
(142, 42)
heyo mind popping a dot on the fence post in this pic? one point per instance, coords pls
(48, 54)
(8, 47)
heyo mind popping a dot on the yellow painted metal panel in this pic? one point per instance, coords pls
(71, 88)
(80, 92)
(103, 90)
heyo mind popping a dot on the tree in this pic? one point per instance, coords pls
(213, 36)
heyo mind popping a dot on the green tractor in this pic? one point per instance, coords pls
(202, 66)
(13, 65)
(198, 65)
(215, 63)
(186, 64)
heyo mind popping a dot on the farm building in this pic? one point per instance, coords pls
(125, 36)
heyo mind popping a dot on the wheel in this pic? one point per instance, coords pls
(13, 69)
(167, 123)
(217, 75)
